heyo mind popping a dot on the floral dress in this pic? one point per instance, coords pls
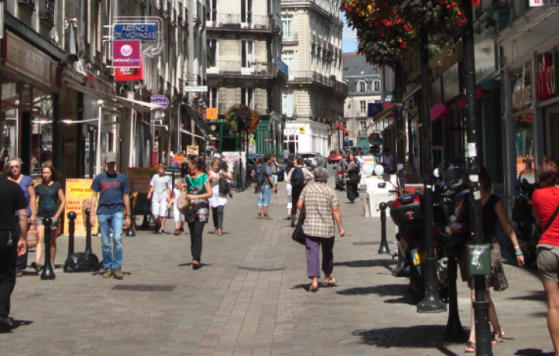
(199, 209)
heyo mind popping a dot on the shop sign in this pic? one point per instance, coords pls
(127, 74)
(135, 31)
(543, 3)
(24, 58)
(161, 100)
(192, 150)
(196, 88)
(548, 76)
(374, 109)
(211, 114)
(126, 54)
(78, 197)
(140, 178)
(301, 130)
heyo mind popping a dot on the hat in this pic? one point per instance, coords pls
(110, 157)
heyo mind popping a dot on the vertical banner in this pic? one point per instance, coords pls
(78, 195)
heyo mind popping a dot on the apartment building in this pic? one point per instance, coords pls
(245, 36)
(313, 99)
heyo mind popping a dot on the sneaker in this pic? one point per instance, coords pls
(162, 232)
(108, 273)
(117, 273)
(258, 217)
(267, 217)
(6, 324)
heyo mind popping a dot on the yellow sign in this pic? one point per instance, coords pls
(192, 150)
(139, 179)
(211, 114)
(301, 130)
(78, 195)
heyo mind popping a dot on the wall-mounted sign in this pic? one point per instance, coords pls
(126, 54)
(374, 109)
(135, 31)
(126, 74)
(542, 3)
(211, 114)
(301, 130)
(192, 150)
(159, 100)
(24, 58)
(547, 76)
(196, 88)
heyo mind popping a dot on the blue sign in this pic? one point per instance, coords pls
(135, 31)
(374, 109)
(159, 100)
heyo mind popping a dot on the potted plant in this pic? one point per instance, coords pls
(167, 93)
(333, 77)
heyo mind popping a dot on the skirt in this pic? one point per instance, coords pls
(496, 279)
(352, 192)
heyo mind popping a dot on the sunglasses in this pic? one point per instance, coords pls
(12, 167)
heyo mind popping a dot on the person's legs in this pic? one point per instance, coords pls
(552, 294)
(214, 217)
(40, 242)
(105, 230)
(52, 245)
(260, 202)
(327, 256)
(163, 213)
(312, 247)
(8, 258)
(493, 316)
(155, 211)
(117, 222)
(267, 196)
(177, 217)
(220, 209)
(472, 323)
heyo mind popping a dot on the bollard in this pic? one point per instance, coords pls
(130, 231)
(383, 243)
(145, 223)
(87, 231)
(454, 331)
(48, 272)
(71, 229)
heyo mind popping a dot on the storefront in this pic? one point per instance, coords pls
(307, 136)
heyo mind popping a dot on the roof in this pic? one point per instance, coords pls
(356, 65)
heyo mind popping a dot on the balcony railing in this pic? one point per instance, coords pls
(314, 77)
(235, 68)
(29, 4)
(234, 21)
(46, 12)
(293, 38)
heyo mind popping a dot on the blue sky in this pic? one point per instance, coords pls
(349, 37)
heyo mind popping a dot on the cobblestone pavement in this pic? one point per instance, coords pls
(250, 298)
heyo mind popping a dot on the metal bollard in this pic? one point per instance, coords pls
(71, 229)
(130, 231)
(454, 331)
(145, 223)
(48, 272)
(87, 231)
(383, 243)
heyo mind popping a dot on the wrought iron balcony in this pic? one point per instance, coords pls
(312, 77)
(28, 4)
(235, 21)
(46, 12)
(236, 68)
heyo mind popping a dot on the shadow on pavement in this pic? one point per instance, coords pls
(366, 263)
(533, 352)
(387, 290)
(536, 296)
(16, 324)
(413, 337)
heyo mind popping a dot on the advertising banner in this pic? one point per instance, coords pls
(78, 195)
(126, 74)
(139, 179)
(159, 100)
(126, 54)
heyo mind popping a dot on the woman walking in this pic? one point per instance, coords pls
(259, 162)
(493, 210)
(199, 191)
(26, 184)
(298, 177)
(545, 204)
(353, 170)
(321, 208)
(288, 188)
(177, 215)
(218, 200)
(49, 193)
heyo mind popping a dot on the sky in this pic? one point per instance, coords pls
(349, 37)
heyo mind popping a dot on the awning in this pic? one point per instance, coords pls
(116, 100)
(203, 126)
(389, 109)
(341, 127)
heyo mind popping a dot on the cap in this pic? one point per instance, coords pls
(110, 157)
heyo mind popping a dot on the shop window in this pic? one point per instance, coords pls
(41, 145)
(10, 90)
(525, 146)
(521, 80)
(43, 103)
(9, 131)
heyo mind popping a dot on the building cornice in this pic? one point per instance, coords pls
(285, 4)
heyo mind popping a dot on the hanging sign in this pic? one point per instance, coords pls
(126, 74)
(159, 100)
(192, 150)
(195, 88)
(135, 31)
(126, 54)
(543, 3)
(211, 114)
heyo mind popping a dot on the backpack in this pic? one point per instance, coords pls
(182, 202)
(224, 188)
(297, 178)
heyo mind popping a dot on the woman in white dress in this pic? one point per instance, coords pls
(177, 216)
(218, 200)
(288, 187)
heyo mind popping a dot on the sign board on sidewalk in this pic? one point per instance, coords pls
(126, 54)
(196, 88)
(135, 31)
(139, 179)
(78, 195)
(160, 100)
(192, 150)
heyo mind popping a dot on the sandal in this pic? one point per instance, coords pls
(195, 265)
(497, 336)
(176, 233)
(313, 290)
(219, 232)
(330, 282)
(470, 348)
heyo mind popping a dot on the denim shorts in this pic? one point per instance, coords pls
(39, 222)
(264, 196)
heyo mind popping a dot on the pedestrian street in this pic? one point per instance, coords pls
(250, 297)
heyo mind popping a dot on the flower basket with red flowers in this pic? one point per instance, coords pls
(242, 119)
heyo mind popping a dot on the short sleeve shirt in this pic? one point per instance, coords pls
(160, 184)
(546, 200)
(268, 172)
(13, 200)
(111, 188)
(319, 200)
(48, 199)
(24, 184)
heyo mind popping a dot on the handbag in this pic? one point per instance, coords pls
(224, 188)
(298, 234)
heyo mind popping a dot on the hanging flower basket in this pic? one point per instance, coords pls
(242, 119)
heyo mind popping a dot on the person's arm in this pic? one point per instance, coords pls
(32, 204)
(300, 203)
(22, 242)
(209, 193)
(338, 217)
(271, 180)
(288, 176)
(60, 210)
(152, 187)
(92, 214)
(502, 214)
(308, 175)
(128, 220)
(172, 200)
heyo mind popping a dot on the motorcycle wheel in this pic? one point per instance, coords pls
(528, 248)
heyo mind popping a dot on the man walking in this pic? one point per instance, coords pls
(12, 242)
(113, 192)
(160, 195)
(265, 186)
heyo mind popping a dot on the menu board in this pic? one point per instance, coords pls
(78, 195)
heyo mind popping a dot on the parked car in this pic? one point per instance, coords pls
(340, 175)
(316, 159)
(335, 156)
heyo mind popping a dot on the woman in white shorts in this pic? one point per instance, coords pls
(177, 216)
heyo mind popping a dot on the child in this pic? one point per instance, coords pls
(178, 217)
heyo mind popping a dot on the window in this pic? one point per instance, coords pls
(362, 126)
(362, 87)
(213, 11)
(287, 103)
(377, 85)
(363, 105)
(246, 11)
(247, 97)
(212, 97)
(287, 26)
(291, 143)
(288, 58)
(246, 53)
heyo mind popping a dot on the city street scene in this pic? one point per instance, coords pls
(279, 177)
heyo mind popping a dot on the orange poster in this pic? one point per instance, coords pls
(78, 195)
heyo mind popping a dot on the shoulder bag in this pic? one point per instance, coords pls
(551, 219)
(298, 234)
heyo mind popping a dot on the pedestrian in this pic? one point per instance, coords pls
(27, 186)
(387, 160)
(13, 242)
(160, 195)
(177, 215)
(199, 191)
(288, 188)
(298, 177)
(257, 172)
(545, 202)
(265, 187)
(113, 190)
(353, 171)
(274, 165)
(493, 211)
(321, 208)
(49, 193)
(217, 201)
